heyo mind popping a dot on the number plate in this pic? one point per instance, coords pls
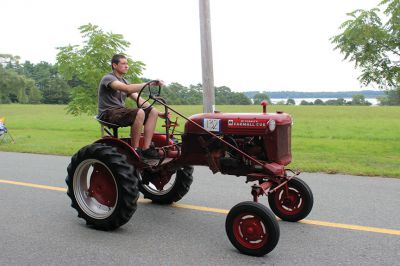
(212, 124)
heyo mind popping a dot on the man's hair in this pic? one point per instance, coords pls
(115, 59)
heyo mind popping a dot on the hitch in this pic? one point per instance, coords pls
(259, 190)
(264, 188)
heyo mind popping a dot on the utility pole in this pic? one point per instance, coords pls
(206, 57)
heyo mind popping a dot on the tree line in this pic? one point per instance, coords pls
(31, 83)
(43, 83)
(284, 94)
(176, 93)
(357, 99)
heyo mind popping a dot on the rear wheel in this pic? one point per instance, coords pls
(102, 186)
(252, 228)
(292, 204)
(164, 186)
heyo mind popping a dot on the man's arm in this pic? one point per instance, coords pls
(127, 88)
(132, 88)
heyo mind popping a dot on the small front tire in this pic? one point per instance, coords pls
(252, 228)
(294, 205)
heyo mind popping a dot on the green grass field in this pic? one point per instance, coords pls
(333, 139)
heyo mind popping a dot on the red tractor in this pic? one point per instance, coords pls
(104, 178)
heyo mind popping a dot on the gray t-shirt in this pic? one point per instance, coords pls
(109, 98)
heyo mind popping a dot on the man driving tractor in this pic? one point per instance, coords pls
(112, 92)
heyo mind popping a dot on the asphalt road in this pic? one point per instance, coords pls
(38, 227)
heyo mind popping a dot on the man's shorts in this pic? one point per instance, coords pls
(123, 116)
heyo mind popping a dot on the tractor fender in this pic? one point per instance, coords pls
(124, 148)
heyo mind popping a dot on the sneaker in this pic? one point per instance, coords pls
(150, 153)
(139, 152)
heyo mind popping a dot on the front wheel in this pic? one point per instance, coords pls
(252, 228)
(102, 186)
(294, 203)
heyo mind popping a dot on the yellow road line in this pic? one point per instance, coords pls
(224, 211)
(199, 208)
(353, 227)
(32, 185)
(191, 207)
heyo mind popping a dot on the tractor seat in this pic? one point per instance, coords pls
(105, 125)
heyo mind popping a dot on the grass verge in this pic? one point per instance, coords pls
(361, 140)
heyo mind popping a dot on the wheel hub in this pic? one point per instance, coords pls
(250, 231)
(102, 186)
(290, 202)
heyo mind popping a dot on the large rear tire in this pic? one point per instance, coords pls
(102, 186)
(166, 187)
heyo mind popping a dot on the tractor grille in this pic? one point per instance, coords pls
(278, 145)
(283, 142)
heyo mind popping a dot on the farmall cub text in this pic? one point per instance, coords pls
(104, 178)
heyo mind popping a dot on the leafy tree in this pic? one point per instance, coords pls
(176, 93)
(8, 59)
(54, 88)
(304, 102)
(57, 92)
(194, 94)
(359, 99)
(318, 102)
(392, 98)
(42, 73)
(87, 64)
(45, 76)
(240, 99)
(34, 96)
(341, 101)
(331, 102)
(374, 46)
(21, 96)
(290, 101)
(224, 96)
(259, 97)
(16, 88)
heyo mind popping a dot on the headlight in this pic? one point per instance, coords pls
(271, 125)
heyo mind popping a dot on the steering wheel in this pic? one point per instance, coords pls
(153, 91)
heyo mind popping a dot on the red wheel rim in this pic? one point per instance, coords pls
(250, 231)
(102, 186)
(290, 203)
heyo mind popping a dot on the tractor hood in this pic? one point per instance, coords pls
(236, 123)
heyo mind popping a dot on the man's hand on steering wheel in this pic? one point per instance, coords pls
(157, 82)
(153, 89)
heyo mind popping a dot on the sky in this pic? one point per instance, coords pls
(261, 45)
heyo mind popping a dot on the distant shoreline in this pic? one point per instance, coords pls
(373, 101)
(317, 95)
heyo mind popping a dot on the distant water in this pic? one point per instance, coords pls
(373, 101)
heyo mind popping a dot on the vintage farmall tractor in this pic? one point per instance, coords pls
(104, 178)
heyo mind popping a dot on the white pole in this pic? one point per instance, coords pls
(206, 57)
